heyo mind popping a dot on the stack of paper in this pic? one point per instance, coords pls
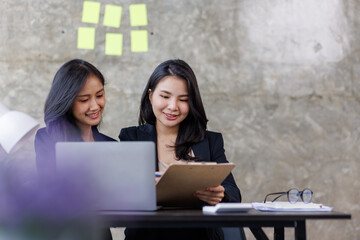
(291, 207)
(228, 207)
(268, 207)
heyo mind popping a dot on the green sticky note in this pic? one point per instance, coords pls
(91, 12)
(112, 16)
(113, 44)
(138, 15)
(139, 41)
(86, 38)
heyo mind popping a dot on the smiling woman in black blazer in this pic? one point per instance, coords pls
(72, 113)
(172, 115)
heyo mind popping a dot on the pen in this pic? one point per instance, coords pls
(157, 175)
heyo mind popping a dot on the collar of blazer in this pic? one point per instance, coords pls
(200, 149)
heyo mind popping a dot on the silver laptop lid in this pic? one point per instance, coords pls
(121, 173)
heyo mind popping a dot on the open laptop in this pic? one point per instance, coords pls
(121, 174)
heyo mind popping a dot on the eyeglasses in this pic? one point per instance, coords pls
(293, 195)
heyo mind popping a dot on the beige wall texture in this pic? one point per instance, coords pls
(280, 79)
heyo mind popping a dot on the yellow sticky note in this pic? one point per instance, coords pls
(112, 16)
(113, 44)
(139, 41)
(86, 38)
(91, 12)
(138, 15)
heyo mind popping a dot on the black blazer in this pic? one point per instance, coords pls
(210, 149)
(45, 149)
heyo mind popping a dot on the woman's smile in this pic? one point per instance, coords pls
(171, 116)
(93, 115)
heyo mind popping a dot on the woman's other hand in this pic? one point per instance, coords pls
(212, 195)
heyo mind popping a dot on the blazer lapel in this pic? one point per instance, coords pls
(202, 150)
(148, 133)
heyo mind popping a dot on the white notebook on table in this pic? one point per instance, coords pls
(228, 207)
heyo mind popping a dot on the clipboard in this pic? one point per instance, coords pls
(180, 181)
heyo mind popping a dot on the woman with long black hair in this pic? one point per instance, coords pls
(172, 115)
(72, 112)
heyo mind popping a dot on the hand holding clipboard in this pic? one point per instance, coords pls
(178, 184)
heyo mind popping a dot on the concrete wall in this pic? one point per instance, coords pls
(280, 79)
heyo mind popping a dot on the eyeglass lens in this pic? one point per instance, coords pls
(293, 195)
(306, 195)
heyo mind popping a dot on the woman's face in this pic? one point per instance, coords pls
(89, 103)
(169, 102)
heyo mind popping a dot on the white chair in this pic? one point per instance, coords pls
(15, 128)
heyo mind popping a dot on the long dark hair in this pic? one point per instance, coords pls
(192, 129)
(67, 83)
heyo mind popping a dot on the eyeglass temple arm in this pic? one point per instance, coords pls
(276, 193)
(279, 196)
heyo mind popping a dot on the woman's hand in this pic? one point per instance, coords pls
(212, 195)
